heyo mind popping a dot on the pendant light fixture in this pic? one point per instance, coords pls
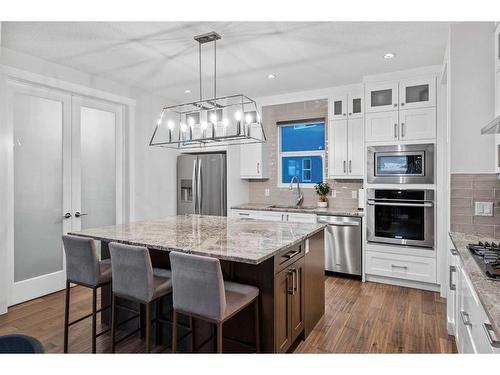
(226, 120)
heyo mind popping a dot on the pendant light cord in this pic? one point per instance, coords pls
(199, 54)
(215, 68)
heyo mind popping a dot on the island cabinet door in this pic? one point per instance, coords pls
(283, 285)
(297, 298)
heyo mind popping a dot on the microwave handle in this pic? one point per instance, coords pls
(425, 204)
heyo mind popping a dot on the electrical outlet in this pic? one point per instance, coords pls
(334, 193)
(267, 192)
(354, 194)
(483, 209)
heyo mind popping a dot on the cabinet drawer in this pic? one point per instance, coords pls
(272, 215)
(401, 266)
(289, 255)
(300, 218)
(245, 214)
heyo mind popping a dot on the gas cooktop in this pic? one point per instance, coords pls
(487, 256)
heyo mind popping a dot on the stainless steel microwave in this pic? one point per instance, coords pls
(401, 164)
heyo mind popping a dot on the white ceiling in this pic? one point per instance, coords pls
(162, 57)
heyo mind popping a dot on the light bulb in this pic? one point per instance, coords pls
(191, 121)
(183, 127)
(213, 118)
(170, 125)
(248, 118)
(237, 116)
(225, 122)
(203, 125)
(258, 117)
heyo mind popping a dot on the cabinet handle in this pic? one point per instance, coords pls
(396, 131)
(344, 167)
(396, 266)
(290, 290)
(465, 318)
(292, 253)
(402, 104)
(287, 217)
(452, 286)
(242, 214)
(488, 328)
(343, 114)
(350, 166)
(350, 114)
(295, 279)
(258, 167)
(395, 104)
(453, 251)
(402, 130)
(282, 215)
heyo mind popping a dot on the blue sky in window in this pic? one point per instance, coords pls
(303, 137)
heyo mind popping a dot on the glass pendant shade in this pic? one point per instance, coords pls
(210, 122)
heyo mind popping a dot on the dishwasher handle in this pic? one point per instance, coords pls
(351, 223)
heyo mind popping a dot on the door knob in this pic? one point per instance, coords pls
(67, 215)
(78, 214)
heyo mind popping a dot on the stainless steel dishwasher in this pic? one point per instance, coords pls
(342, 244)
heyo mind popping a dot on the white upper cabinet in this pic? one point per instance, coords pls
(346, 148)
(382, 126)
(381, 96)
(417, 93)
(337, 148)
(355, 148)
(252, 159)
(355, 103)
(338, 107)
(417, 124)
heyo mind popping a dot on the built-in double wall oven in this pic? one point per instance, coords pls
(401, 164)
(401, 217)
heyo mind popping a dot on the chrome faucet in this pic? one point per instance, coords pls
(300, 197)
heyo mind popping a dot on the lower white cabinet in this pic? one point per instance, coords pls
(471, 322)
(294, 217)
(398, 266)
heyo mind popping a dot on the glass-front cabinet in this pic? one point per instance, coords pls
(338, 106)
(381, 96)
(417, 93)
(347, 102)
(355, 103)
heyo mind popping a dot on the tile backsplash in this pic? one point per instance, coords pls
(466, 189)
(271, 115)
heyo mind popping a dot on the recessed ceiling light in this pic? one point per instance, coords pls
(271, 76)
(188, 91)
(389, 55)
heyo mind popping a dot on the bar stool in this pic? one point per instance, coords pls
(200, 291)
(135, 279)
(84, 268)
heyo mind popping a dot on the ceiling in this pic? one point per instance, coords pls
(162, 57)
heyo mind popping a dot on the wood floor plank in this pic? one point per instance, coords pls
(359, 318)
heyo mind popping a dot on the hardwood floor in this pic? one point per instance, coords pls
(359, 318)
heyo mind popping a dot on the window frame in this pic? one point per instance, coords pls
(280, 154)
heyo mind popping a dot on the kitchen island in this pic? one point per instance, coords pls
(284, 260)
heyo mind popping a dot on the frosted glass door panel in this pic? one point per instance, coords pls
(98, 167)
(38, 186)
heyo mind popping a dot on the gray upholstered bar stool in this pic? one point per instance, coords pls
(200, 291)
(135, 279)
(83, 267)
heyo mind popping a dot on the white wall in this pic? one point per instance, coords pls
(471, 80)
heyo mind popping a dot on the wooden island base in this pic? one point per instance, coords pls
(292, 301)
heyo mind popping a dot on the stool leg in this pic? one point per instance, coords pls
(94, 318)
(157, 326)
(113, 322)
(148, 326)
(193, 333)
(219, 337)
(257, 328)
(66, 316)
(174, 331)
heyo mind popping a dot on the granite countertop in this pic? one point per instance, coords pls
(306, 209)
(240, 240)
(487, 290)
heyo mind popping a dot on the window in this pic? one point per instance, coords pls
(302, 151)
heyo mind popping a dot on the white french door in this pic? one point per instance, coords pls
(66, 160)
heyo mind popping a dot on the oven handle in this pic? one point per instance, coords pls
(425, 204)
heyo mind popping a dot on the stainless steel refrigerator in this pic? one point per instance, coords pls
(201, 184)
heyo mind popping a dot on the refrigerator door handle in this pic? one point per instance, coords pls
(200, 188)
(223, 189)
(194, 188)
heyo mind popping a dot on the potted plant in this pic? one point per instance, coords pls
(322, 189)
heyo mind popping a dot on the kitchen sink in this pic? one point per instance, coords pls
(292, 207)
